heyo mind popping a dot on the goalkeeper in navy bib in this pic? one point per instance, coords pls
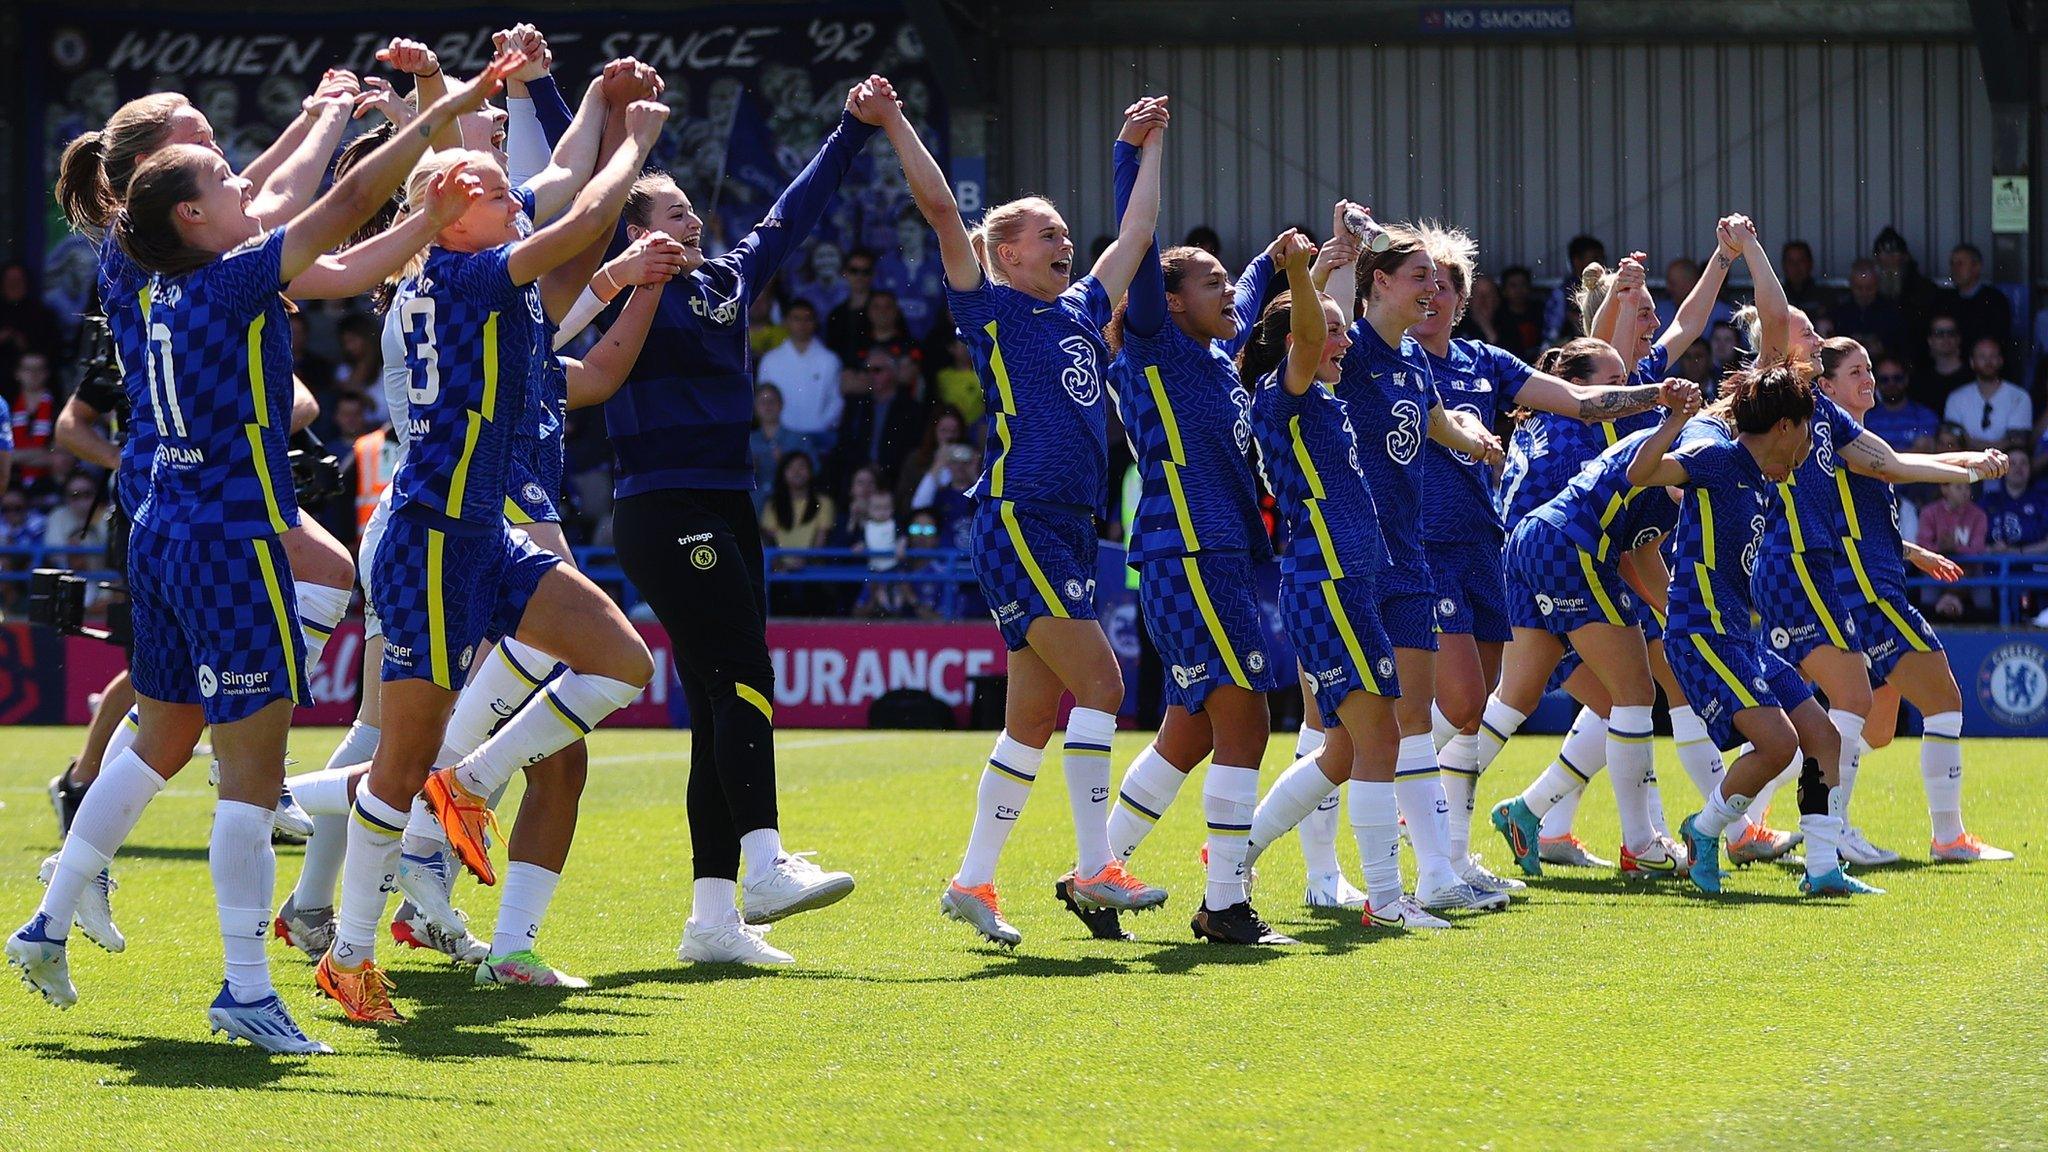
(450, 571)
(1036, 339)
(1197, 540)
(217, 631)
(1728, 462)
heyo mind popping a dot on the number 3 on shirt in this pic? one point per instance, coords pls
(422, 359)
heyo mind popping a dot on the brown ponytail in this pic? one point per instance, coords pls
(93, 174)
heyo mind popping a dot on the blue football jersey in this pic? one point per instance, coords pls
(124, 292)
(474, 346)
(1475, 377)
(1728, 503)
(1189, 419)
(1041, 365)
(1810, 496)
(1389, 394)
(1309, 453)
(2016, 521)
(1593, 509)
(218, 367)
(1873, 555)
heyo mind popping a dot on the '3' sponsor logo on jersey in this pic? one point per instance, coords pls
(1080, 378)
(1406, 437)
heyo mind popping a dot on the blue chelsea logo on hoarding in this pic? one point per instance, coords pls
(2012, 683)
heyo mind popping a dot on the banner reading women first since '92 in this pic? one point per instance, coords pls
(752, 93)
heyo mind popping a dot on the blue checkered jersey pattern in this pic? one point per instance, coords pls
(1547, 449)
(1873, 556)
(1810, 496)
(219, 367)
(1190, 422)
(1389, 393)
(1728, 503)
(1475, 377)
(1592, 511)
(1310, 457)
(124, 290)
(474, 345)
(1041, 365)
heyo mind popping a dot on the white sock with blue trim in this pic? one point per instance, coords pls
(1941, 773)
(1497, 726)
(1229, 796)
(1459, 760)
(106, 816)
(320, 609)
(123, 738)
(1318, 828)
(1148, 789)
(1375, 821)
(998, 803)
(497, 686)
(555, 717)
(1084, 761)
(1631, 763)
(1298, 792)
(1420, 795)
(368, 877)
(244, 872)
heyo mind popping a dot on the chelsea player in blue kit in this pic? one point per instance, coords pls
(1196, 538)
(1037, 345)
(1390, 390)
(217, 634)
(449, 570)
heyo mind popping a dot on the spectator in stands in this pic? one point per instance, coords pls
(1679, 277)
(765, 331)
(1900, 281)
(797, 516)
(957, 386)
(1206, 238)
(1990, 409)
(943, 492)
(1802, 291)
(34, 421)
(886, 330)
(1902, 422)
(1482, 311)
(1561, 319)
(351, 419)
(1980, 309)
(883, 420)
(1696, 364)
(864, 483)
(1956, 527)
(1519, 318)
(2016, 509)
(315, 371)
(27, 324)
(21, 526)
(362, 363)
(806, 376)
(825, 289)
(945, 428)
(1724, 347)
(771, 441)
(79, 522)
(913, 273)
(878, 537)
(1867, 315)
(1946, 367)
(846, 326)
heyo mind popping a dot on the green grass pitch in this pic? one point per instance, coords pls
(1590, 1015)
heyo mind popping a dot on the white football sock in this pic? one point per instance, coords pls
(368, 876)
(320, 609)
(1291, 798)
(1555, 795)
(326, 850)
(998, 802)
(105, 818)
(555, 717)
(1850, 725)
(1941, 773)
(1147, 791)
(761, 848)
(1696, 751)
(528, 889)
(244, 879)
(1629, 763)
(1562, 811)
(124, 737)
(1375, 823)
(1823, 839)
(1229, 796)
(1421, 797)
(326, 792)
(1319, 827)
(1721, 810)
(1496, 728)
(1440, 727)
(1459, 760)
(497, 686)
(356, 748)
(1084, 761)
(714, 901)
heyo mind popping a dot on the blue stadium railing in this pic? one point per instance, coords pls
(2006, 576)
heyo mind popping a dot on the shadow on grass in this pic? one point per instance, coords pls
(450, 1018)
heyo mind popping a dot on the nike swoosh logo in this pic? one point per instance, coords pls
(1041, 311)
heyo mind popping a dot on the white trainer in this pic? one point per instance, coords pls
(310, 930)
(792, 885)
(1459, 894)
(264, 1022)
(1403, 914)
(413, 929)
(1332, 890)
(731, 942)
(95, 913)
(1857, 849)
(44, 964)
(425, 882)
(1478, 875)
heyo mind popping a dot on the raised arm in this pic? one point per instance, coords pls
(1592, 403)
(598, 375)
(875, 104)
(1306, 322)
(361, 267)
(568, 283)
(1870, 455)
(1337, 264)
(429, 83)
(1119, 262)
(655, 258)
(1652, 467)
(1689, 323)
(797, 211)
(1773, 310)
(576, 157)
(334, 83)
(1248, 296)
(1628, 277)
(295, 180)
(1145, 306)
(597, 206)
(369, 184)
